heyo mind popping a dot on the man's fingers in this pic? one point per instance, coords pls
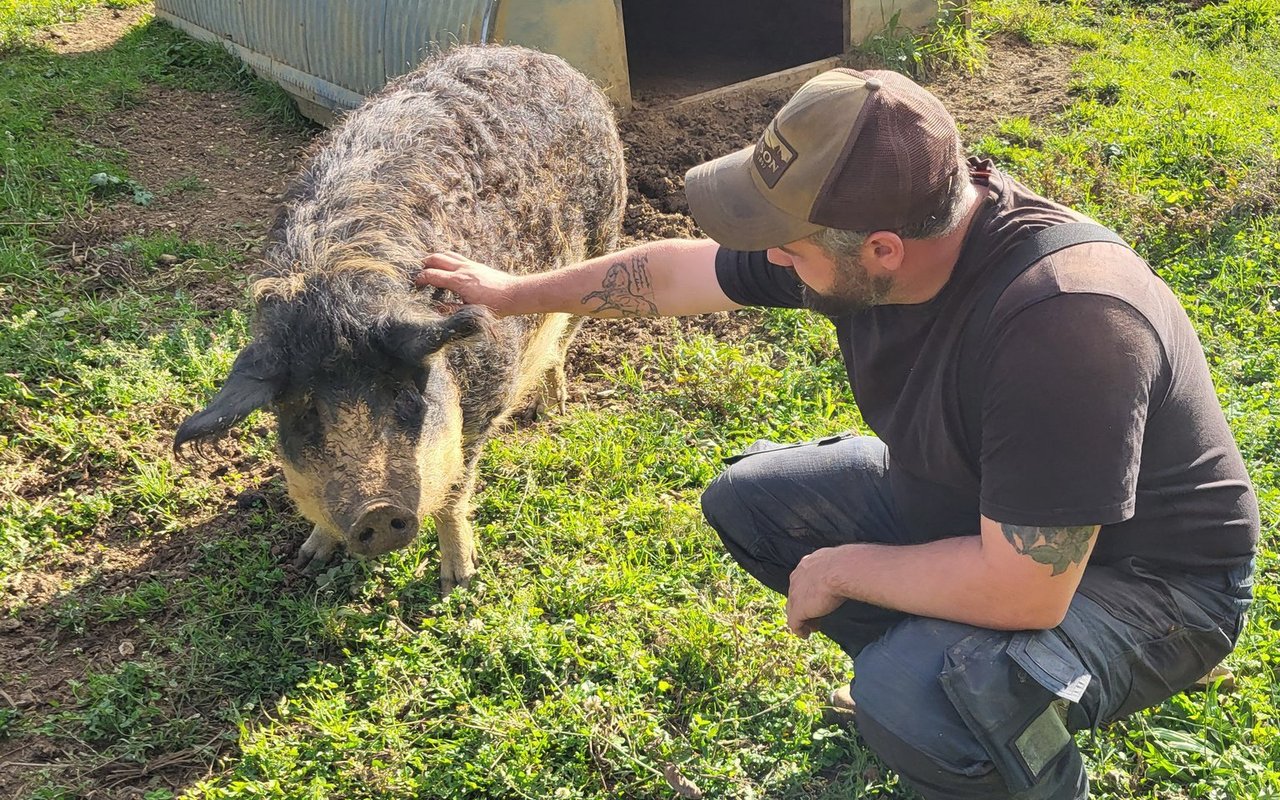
(434, 276)
(801, 629)
(795, 622)
(440, 269)
(473, 282)
(446, 260)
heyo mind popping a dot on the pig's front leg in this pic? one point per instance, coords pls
(317, 550)
(457, 548)
(557, 383)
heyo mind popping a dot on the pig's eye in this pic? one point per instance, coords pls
(306, 424)
(409, 407)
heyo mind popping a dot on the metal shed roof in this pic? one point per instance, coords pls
(331, 53)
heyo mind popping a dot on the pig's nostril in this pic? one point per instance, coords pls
(398, 524)
(366, 535)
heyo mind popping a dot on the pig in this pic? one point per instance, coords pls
(384, 395)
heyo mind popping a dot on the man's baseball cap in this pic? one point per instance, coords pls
(864, 151)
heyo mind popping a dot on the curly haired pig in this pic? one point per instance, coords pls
(383, 397)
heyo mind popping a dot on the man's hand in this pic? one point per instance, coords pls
(475, 283)
(810, 596)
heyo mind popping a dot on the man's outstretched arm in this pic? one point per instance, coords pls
(1011, 577)
(669, 278)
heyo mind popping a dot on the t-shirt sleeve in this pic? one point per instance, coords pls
(749, 279)
(1068, 385)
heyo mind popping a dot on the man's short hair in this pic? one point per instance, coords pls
(932, 223)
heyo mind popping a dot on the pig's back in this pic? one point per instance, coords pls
(501, 153)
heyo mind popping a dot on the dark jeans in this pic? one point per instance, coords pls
(961, 711)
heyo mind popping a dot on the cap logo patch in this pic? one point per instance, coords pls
(774, 155)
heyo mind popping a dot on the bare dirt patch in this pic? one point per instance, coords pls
(1018, 81)
(95, 29)
(214, 172)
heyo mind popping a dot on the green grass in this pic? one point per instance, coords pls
(20, 20)
(609, 638)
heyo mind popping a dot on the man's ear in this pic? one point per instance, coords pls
(413, 341)
(256, 378)
(885, 249)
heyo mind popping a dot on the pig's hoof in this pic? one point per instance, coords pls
(315, 552)
(451, 579)
(532, 413)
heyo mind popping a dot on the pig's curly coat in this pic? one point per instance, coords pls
(503, 154)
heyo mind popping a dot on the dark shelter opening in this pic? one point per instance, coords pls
(677, 48)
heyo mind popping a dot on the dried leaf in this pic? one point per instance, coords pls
(683, 786)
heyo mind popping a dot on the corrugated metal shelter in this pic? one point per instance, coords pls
(329, 54)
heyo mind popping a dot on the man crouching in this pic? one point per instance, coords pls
(1052, 527)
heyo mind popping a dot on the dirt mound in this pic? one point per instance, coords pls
(662, 144)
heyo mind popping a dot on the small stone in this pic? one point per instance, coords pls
(251, 499)
(126, 648)
(1220, 675)
(10, 624)
(167, 259)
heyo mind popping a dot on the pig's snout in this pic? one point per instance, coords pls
(381, 528)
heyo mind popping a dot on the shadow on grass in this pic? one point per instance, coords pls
(142, 673)
(137, 648)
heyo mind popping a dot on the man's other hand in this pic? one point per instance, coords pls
(475, 283)
(810, 597)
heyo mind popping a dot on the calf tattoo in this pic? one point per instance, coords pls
(1057, 547)
(626, 289)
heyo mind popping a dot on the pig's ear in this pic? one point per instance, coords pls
(414, 341)
(256, 378)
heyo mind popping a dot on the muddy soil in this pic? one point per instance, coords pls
(217, 173)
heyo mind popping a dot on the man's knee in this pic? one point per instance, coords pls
(726, 511)
(896, 689)
(729, 513)
(910, 688)
(806, 485)
(728, 500)
(718, 499)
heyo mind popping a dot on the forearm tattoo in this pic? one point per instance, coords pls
(626, 289)
(1057, 547)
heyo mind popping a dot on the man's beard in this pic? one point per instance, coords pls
(854, 289)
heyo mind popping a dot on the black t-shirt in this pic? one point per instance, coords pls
(1097, 403)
